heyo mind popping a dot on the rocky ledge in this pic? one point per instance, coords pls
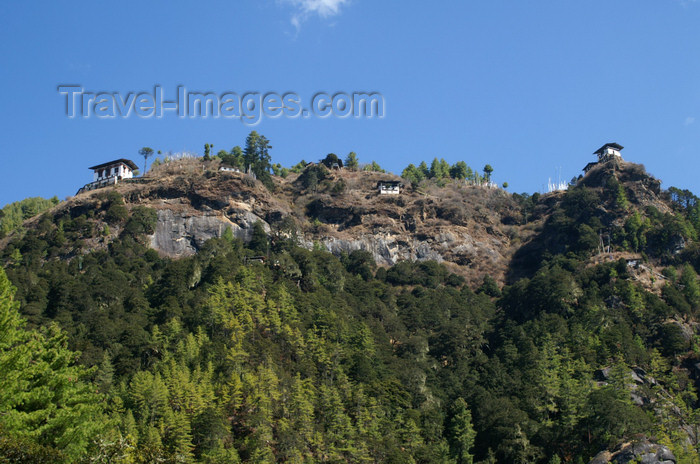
(643, 452)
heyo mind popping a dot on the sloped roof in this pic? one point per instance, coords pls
(128, 162)
(611, 145)
(392, 183)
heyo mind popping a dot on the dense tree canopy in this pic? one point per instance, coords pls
(14, 214)
(308, 357)
(44, 396)
(440, 170)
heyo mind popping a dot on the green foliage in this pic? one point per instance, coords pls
(461, 433)
(360, 262)
(141, 222)
(279, 170)
(116, 211)
(14, 214)
(459, 170)
(312, 176)
(299, 167)
(256, 157)
(673, 341)
(15, 449)
(688, 282)
(440, 170)
(687, 204)
(616, 192)
(352, 162)
(490, 287)
(612, 415)
(413, 174)
(146, 152)
(332, 159)
(423, 168)
(373, 167)
(551, 290)
(234, 158)
(45, 398)
(339, 187)
(308, 357)
(636, 229)
(258, 242)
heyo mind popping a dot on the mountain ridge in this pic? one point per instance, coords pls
(476, 231)
(568, 328)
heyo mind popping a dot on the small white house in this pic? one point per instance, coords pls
(110, 173)
(608, 152)
(391, 187)
(119, 169)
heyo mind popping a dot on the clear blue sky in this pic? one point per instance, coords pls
(529, 87)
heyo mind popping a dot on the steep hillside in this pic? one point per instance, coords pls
(216, 326)
(615, 211)
(477, 231)
(474, 228)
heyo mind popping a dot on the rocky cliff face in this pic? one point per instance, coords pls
(474, 230)
(469, 228)
(183, 233)
(642, 452)
(464, 225)
(641, 188)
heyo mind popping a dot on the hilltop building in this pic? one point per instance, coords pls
(117, 169)
(110, 173)
(608, 152)
(389, 187)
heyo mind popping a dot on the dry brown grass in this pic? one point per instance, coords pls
(182, 166)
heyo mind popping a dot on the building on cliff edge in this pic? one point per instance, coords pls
(608, 152)
(110, 173)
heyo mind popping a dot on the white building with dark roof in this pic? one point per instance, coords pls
(608, 152)
(389, 187)
(121, 169)
(110, 173)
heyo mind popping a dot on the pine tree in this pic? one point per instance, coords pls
(436, 169)
(178, 435)
(444, 169)
(423, 168)
(146, 152)
(412, 174)
(459, 170)
(488, 170)
(461, 433)
(44, 395)
(105, 373)
(149, 396)
(207, 151)
(257, 157)
(351, 161)
(689, 283)
(547, 368)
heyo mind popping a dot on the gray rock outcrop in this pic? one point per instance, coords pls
(385, 249)
(181, 234)
(643, 452)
